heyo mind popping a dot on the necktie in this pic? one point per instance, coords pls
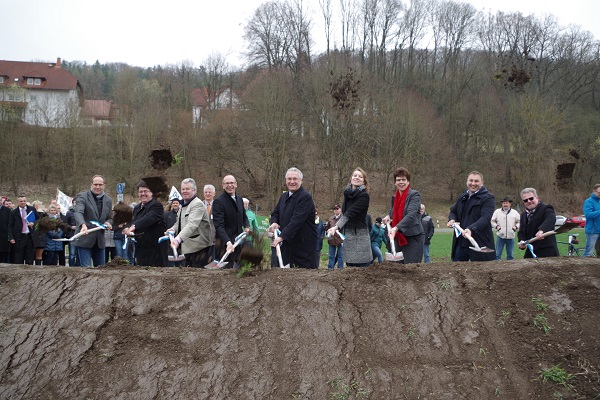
(24, 219)
(208, 208)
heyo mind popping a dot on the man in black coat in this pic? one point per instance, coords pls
(535, 220)
(4, 243)
(19, 233)
(229, 218)
(294, 215)
(473, 211)
(148, 225)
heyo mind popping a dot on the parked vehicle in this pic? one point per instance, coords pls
(579, 220)
(560, 220)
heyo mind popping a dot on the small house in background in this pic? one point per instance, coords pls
(203, 99)
(100, 113)
(39, 93)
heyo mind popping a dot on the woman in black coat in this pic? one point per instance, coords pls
(148, 226)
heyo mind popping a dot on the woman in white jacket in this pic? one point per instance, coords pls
(505, 222)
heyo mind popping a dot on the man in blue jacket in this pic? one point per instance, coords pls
(473, 211)
(591, 210)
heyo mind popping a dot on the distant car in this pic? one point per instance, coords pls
(560, 220)
(579, 220)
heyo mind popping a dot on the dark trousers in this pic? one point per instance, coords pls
(51, 257)
(198, 259)
(23, 250)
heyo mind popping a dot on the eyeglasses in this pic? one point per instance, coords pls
(529, 199)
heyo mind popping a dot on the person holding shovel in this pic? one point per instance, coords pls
(535, 220)
(473, 212)
(294, 216)
(353, 222)
(230, 220)
(148, 225)
(406, 226)
(192, 229)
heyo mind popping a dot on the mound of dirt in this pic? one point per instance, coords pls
(498, 330)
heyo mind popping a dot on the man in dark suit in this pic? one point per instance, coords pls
(92, 205)
(19, 232)
(294, 215)
(535, 220)
(229, 218)
(473, 211)
(4, 243)
(149, 226)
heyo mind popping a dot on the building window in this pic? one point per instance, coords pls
(34, 81)
(1, 79)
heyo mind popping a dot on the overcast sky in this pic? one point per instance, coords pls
(148, 33)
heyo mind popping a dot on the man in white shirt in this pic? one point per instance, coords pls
(505, 221)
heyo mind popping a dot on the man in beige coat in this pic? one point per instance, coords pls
(192, 228)
(505, 221)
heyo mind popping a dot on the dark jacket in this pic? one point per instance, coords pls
(15, 224)
(377, 235)
(295, 215)
(542, 219)
(410, 225)
(86, 210)
(428, 227)
(53, 245)
(149, 221)
(229, 218)
(475, 213)
(354, 210)
(4, 241)
(69, 219)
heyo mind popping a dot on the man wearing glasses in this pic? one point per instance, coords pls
(230, 220)
(535, 220)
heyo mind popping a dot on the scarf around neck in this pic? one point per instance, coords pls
(399, 204)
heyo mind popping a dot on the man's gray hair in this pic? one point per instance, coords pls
(245, 200)
(528, 190)
(294, 169)
(191, 181)
(209, 187)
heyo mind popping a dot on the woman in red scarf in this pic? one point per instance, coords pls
(353, 222)
(406, 218)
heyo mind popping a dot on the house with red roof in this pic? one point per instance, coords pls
(39, 93)
(100, 113)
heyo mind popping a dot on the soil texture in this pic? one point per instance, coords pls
(526, 329)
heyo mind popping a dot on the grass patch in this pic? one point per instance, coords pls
(558, 375)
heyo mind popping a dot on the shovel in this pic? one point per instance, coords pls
(562, 229)
(97, 228)
(459, 231)
(393, 256)
(277, 232)
(175, 257)
(218, 265)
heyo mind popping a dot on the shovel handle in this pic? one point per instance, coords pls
(536, 238)
(468, 236)
(391, 237)
(278, 249)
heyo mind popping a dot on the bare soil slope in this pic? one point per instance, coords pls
(442, 331)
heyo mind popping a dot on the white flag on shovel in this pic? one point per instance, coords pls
(174, 194)
(64, 201)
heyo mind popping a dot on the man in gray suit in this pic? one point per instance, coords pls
(192, 229)
(92, 205)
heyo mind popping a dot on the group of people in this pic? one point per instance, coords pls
(28, 231)
(206, 230)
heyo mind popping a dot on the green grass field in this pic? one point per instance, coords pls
(441, 245)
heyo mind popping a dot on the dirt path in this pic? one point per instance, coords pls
(442, 331)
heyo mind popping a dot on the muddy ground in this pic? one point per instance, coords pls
(441, 331)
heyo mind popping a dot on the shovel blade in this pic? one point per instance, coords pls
(482, 249)
(175, 259)
(391, 257)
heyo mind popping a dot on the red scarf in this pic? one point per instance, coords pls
(399, 203)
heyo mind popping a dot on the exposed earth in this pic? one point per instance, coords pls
(437, 331)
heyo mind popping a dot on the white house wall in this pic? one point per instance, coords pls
(52, 108)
